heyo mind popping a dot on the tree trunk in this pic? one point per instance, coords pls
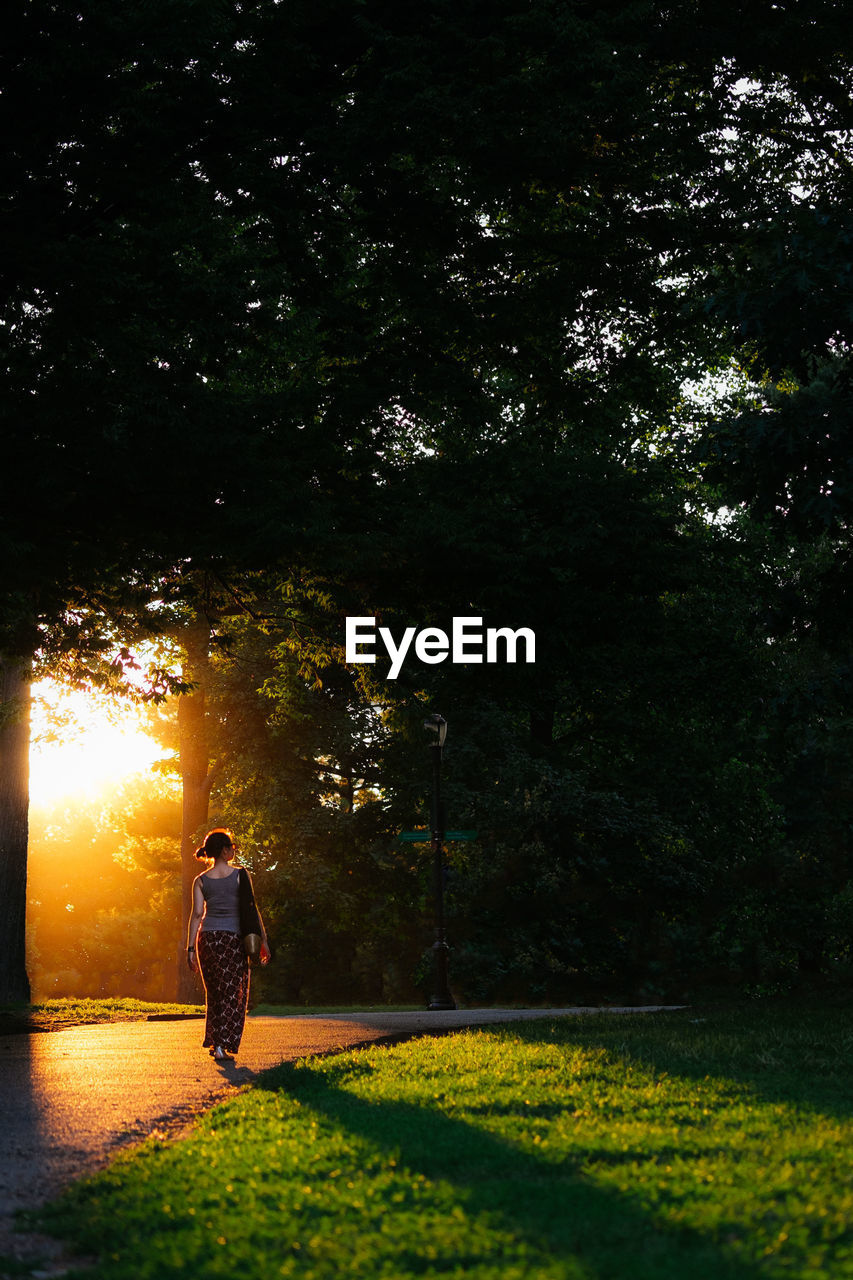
(195, 778)
(15, 699)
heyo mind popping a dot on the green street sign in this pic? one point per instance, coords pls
(425, 837)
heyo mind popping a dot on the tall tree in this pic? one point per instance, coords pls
(619, 785)
(258, 255)
(196, 778)
(14, 802)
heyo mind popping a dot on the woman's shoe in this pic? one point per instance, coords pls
(220, 1055)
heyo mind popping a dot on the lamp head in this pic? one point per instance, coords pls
(437, 724)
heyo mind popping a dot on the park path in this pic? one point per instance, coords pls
(71, 1099)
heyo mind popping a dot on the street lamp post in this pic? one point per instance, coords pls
(441, 999)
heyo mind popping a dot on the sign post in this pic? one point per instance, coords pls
(441, 998)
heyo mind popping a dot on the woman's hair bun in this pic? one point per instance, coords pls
(214, 843)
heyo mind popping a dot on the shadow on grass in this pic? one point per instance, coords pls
(798, 1056)
(551, 1205)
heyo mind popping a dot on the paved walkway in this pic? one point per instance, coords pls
(72, 1098)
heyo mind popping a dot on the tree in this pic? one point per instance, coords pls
(121, 285)
(261, 251)
(14, 800)
(620, 786)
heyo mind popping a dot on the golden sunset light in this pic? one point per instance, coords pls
(83, 745)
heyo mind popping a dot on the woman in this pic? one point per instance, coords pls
(214, 945)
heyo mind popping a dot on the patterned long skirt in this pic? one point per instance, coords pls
(225, 973)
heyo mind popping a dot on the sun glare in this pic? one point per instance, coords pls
(83, 745)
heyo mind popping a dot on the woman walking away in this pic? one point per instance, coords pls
(215, 945)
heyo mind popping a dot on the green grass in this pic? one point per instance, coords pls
(685, 1146)
(73, 1011)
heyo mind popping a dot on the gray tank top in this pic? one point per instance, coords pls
(221, 903)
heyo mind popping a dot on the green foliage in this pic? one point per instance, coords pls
(395, 231)
(714, 1144)
(300, 778)
(391, 310)
(103, 902)
(623, 795)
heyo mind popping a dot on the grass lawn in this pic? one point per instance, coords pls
(66, 1011)
(685, 1146)
(70, 1011)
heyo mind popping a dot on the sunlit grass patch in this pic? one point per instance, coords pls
(64, 1011)
(644, 1147)
(72, 1011)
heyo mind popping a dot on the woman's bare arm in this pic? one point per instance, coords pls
(195, 920)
